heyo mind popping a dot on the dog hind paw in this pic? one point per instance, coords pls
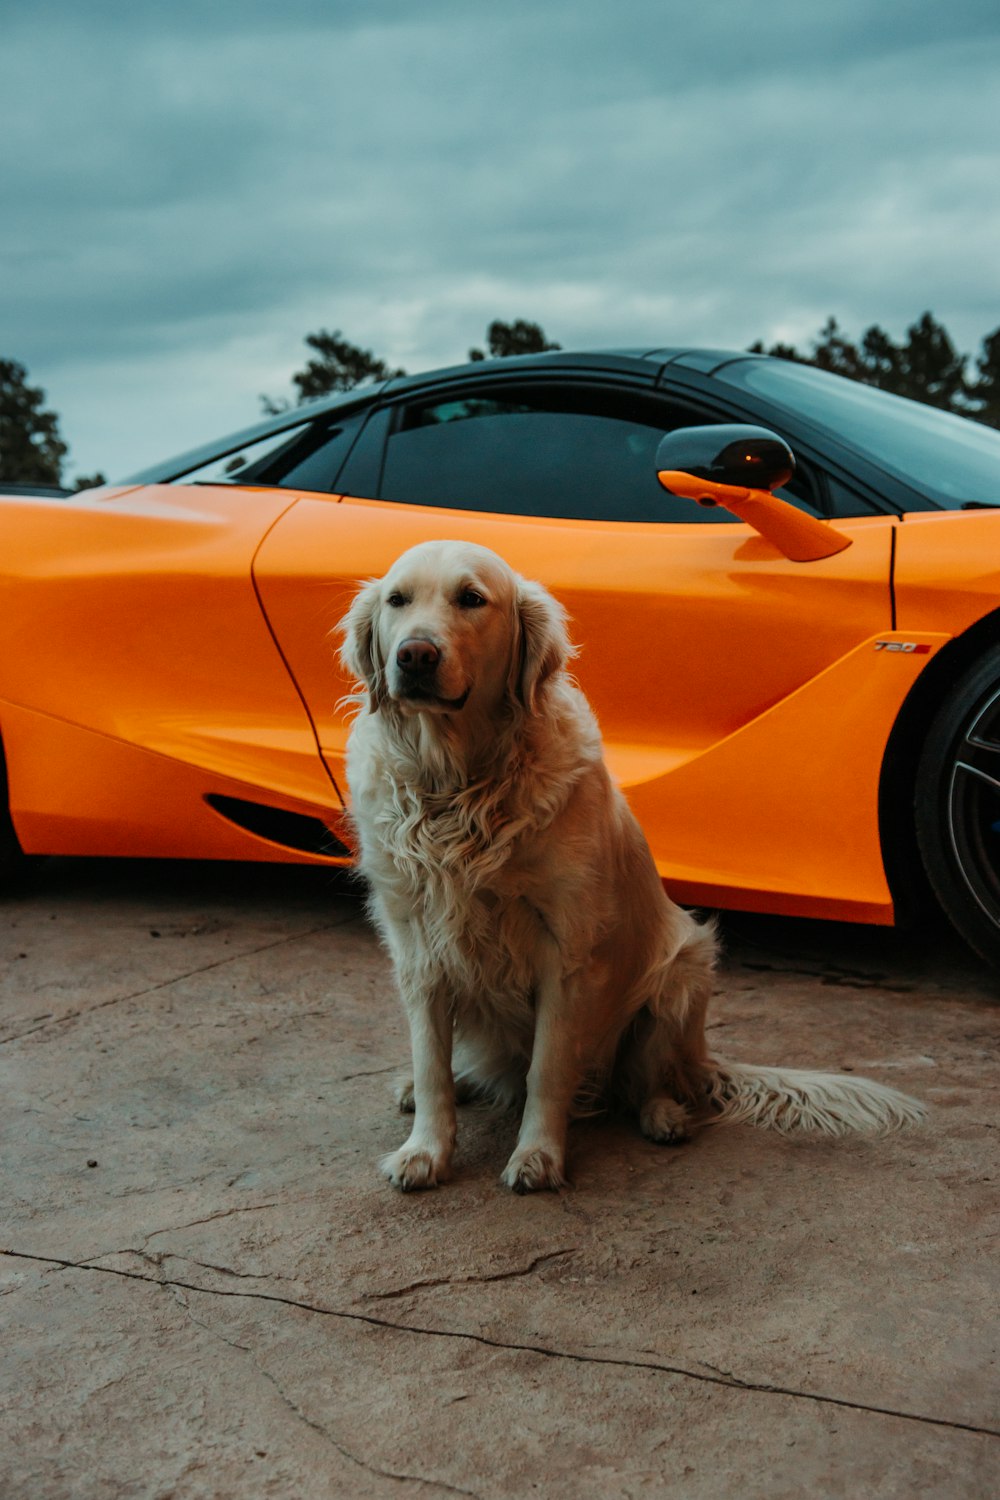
(665, 1121)
(403, 1089)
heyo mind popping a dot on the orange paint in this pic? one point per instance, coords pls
(162, 645)
(728, 680)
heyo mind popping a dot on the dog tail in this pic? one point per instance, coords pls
(794, 1100)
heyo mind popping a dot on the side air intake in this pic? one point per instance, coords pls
(292, 830)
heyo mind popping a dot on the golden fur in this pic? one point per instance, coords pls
(536, 952)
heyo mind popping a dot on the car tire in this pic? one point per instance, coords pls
(957, 806)
(13, 861)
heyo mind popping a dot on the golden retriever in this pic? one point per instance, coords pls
(537, 954)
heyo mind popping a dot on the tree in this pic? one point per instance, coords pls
(31, 450)
(340, 367)
(985, 391)
(830, 351)
(881, 362)
(929, 367)
(520, 337)
(833, 352)
(779, 351)
(926, 367)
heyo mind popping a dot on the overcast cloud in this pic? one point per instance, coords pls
(188, 190)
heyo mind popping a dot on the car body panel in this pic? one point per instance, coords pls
(80, 792)
(136, 620)
(947, 571)
(727, 680)
(782, 816)
(167, 644)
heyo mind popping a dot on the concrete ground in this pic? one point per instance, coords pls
(208, 1291)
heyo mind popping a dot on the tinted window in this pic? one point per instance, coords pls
(310, 457)
(315, 463)
(561, 451)
(842, 501)
(360, 474)
(234, 468)
(950, 458)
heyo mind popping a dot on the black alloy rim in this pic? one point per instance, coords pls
(974, 806)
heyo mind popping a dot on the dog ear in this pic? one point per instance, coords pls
(360, 652)
(545, 644)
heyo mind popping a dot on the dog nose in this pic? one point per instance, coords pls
(417, 655)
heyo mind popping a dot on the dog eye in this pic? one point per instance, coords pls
(396, 600)
(470, 599)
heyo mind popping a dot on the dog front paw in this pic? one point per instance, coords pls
(533, 1169)
(412, 1168)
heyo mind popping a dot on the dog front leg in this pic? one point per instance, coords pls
(553, 1078)
(424, 1160)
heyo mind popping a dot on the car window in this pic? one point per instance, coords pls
(315, 463)
(842, 501)
(234, 468)
(939, 454)
(544, 450)
(309, 457)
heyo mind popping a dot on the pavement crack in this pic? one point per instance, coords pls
(223, 1213)
(209, 1265)
(163, 984)
(304, 1417)
(419, 1286)
(726, 1375)
(653, 1366)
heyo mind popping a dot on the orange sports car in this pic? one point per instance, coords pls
(796, 666)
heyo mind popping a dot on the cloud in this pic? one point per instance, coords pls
(190, 189)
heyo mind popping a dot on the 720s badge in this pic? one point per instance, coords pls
(910, 647)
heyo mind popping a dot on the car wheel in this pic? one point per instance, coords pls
(13, 863)
(958, 806)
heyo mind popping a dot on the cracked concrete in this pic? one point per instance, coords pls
(208, 1291)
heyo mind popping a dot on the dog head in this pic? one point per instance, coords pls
(452, 627)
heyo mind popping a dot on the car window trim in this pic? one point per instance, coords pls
(639, 383)
(394, 403)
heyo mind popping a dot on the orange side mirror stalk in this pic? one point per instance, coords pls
(719, 466)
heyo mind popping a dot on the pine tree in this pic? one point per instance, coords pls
(340, 366)
(985, 390)
(31, 450)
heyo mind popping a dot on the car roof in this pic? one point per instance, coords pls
(295, 416)
(568, 360)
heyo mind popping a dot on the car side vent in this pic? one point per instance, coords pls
(293, 830)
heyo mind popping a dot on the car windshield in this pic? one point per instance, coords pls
(952, 460)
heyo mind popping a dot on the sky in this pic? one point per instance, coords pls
(189, 189)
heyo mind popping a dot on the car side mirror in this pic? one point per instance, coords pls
(737, 466)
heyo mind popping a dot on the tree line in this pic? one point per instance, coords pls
(925, 366)
(339, 365)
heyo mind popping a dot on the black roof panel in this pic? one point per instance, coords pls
(642, 363)
(295, 416)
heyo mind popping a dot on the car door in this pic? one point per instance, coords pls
(691, 627)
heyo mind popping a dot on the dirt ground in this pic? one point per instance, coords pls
(208, 1291)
